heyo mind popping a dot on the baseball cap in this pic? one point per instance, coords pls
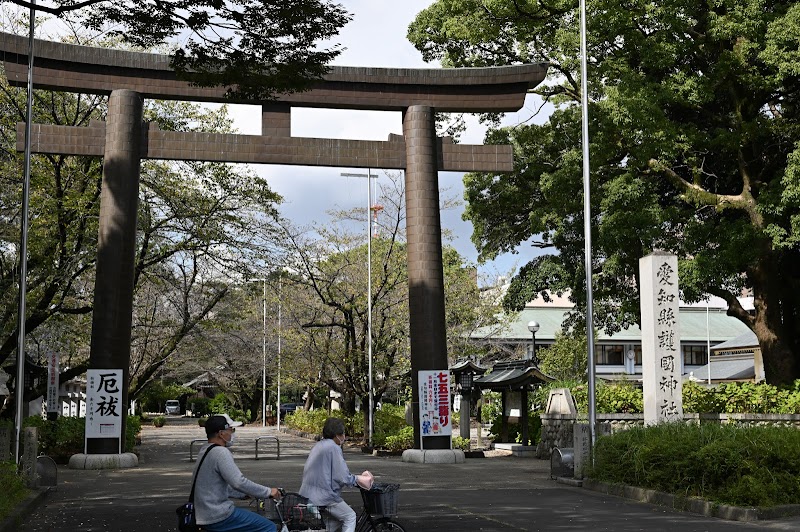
(220, 422)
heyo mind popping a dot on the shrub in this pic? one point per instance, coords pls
(159, 421)
(14, 489)
(61, 438)
(492, 403)
(310, 421)
(132, 429)
(744, 466)
(389, 420)
(199, 406)
(221, 404)
(402, 440)
(461, 443)
(622, 397)
(515, 429)
(202, 421)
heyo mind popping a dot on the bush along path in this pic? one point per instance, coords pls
(724, 464)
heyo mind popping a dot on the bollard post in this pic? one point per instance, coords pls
(30, 438)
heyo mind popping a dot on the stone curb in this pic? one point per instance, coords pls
(15, 519)
(692, 504)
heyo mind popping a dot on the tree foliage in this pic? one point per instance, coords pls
(255, 48)
(566, 358)
(694, 150)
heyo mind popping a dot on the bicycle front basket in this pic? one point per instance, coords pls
(299, 514)
(381, 499)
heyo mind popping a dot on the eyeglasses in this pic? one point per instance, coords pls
(232, 429)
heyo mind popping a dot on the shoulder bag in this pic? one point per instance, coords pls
(186, 517)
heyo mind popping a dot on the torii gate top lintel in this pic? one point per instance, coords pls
(68, 67)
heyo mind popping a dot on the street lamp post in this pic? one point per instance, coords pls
(533, 327)
(263, 352)
(369, 176)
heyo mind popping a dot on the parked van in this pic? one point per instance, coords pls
(173, 406)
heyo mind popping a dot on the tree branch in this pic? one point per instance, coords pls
(57, 11)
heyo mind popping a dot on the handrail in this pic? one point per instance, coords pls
(277, 445)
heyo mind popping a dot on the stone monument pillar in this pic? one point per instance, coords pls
(425, 276)
(661, 343)
(113, 294)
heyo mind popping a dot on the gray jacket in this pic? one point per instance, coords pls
(219, 479)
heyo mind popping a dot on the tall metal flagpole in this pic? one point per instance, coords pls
(708, 342)
(369, 302)
(264, 358)
(280, 276)
(23, 246)
(587, 225)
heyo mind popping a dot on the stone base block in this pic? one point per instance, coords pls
(103, 461)
(527, 451)
(434, 456)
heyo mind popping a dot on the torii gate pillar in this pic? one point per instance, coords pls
(425, 275)
(116, 249)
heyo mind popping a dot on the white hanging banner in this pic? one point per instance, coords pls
(104, 407)
(434, 403)
(52, 383)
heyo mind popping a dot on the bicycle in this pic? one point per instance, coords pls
(293, 511)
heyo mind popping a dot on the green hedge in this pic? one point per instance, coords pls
(743, 466)
(727, 398)
(64, 437)
(389, 421)
(401, 441)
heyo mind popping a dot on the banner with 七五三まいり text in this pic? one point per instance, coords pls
(434, 403)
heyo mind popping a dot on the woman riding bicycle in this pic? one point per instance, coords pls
(326, 473)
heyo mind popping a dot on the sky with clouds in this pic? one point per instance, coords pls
(375, 37)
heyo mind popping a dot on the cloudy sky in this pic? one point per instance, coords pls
(375, 37)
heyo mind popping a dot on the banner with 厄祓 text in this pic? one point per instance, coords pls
(661, 343)
(434, 403)
(104, 409)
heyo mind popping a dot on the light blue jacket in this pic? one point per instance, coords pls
(325, 474)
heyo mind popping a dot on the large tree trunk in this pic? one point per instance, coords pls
(775, 322)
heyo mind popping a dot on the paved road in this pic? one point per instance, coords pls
(490, 494)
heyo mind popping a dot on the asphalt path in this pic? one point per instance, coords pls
(482, 494)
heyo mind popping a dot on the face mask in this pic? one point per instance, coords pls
(344, 439)
(229, 443)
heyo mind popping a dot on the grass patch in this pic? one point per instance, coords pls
(742, 466)
(14, 490)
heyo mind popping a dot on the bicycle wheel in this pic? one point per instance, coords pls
(387, 524)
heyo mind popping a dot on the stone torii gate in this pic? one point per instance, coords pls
(123, 140)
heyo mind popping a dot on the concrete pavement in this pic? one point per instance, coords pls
(483, 494)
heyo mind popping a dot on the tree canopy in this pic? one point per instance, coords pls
(256, 48)
(694, 130)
